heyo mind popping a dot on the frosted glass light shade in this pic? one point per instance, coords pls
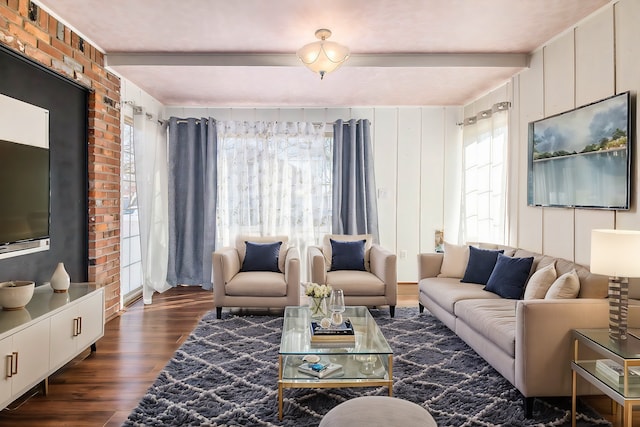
(615, 253)
(323, 56)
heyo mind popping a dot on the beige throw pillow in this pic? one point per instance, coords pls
(241, 246)
(565, 287)
(455, 260)
(540, 282)
(326, 246)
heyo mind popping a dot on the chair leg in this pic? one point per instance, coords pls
(219, 312)
(528, 406)
(421, 308)
(392, 310)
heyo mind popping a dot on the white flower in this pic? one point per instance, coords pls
(317, 291)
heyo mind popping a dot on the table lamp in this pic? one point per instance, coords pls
(616, 253)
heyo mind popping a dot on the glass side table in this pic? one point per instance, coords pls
(625, 353)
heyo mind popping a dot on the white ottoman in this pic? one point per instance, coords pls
(383, 411)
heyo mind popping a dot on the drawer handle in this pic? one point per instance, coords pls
(79, 325)
(75, 326)
(12, 364)
(9, 366)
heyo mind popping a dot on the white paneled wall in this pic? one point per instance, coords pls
(627, 77)
(385, 136)
(408, 196)
(412, 145)
(597, 59)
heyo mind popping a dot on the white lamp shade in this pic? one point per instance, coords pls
(615, 253)
(323, 56)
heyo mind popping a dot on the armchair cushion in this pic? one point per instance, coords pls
(347, 255)
(257, 284)
(327, 252)
(242, 250)
(356, 283)
(261, 256)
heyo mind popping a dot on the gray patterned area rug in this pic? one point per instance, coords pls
(225, 374)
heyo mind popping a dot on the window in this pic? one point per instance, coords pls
(274, 179)
(130, 255)
(484, 162)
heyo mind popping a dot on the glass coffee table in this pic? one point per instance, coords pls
(366, 363)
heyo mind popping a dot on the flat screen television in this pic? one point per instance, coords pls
(24, 193)
(582, 158)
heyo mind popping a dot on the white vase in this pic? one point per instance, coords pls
(318, 307)
(60, 279)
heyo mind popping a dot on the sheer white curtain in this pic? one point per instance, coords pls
(274, 178)
(485, 169)
(150, 142)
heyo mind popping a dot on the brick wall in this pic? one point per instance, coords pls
(26, 28)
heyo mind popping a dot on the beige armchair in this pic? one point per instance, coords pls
(254, 273)
(374, 285)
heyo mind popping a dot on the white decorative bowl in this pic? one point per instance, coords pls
(15, 294)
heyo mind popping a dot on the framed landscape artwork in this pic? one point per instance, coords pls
(581, 158)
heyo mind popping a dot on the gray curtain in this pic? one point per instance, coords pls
(355, 210)
(192, 200)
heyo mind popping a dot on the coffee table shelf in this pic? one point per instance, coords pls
(367, 363)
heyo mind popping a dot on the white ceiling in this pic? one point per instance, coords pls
(242, 53)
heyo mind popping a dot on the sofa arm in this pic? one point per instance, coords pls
(292, 272)
(429, 265)
(226, 264)
(384, 265)
(318, 267)
(543, 341)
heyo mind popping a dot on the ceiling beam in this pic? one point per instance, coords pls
(289, 60)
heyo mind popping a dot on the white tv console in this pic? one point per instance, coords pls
(45, 335)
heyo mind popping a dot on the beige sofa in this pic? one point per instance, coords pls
(254, 289)
(526, 341)
(376, 286)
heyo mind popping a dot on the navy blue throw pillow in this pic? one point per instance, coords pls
(480, 266)
(509, 276)
(347, 255)
(261, 256)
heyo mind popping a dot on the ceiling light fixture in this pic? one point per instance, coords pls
(323, 56)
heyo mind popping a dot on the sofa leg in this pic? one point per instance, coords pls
(392, 310)
(421, 308)
(528, 406)
(219, 312)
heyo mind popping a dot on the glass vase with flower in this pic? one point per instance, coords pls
(318, 296)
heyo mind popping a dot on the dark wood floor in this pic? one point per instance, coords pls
(102, 388)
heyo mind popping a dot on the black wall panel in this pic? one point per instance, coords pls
(67, 103)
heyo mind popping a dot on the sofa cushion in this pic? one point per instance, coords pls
(508, 250)
(540, 282)
(565, 286)
(261, 256)
(356, 283)
(347, 255)
(258, 284)
(241, 246)
(480, 266)
(509, 276)
(495, 319)
(326, 246)
(446, 292)
(454, 260)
